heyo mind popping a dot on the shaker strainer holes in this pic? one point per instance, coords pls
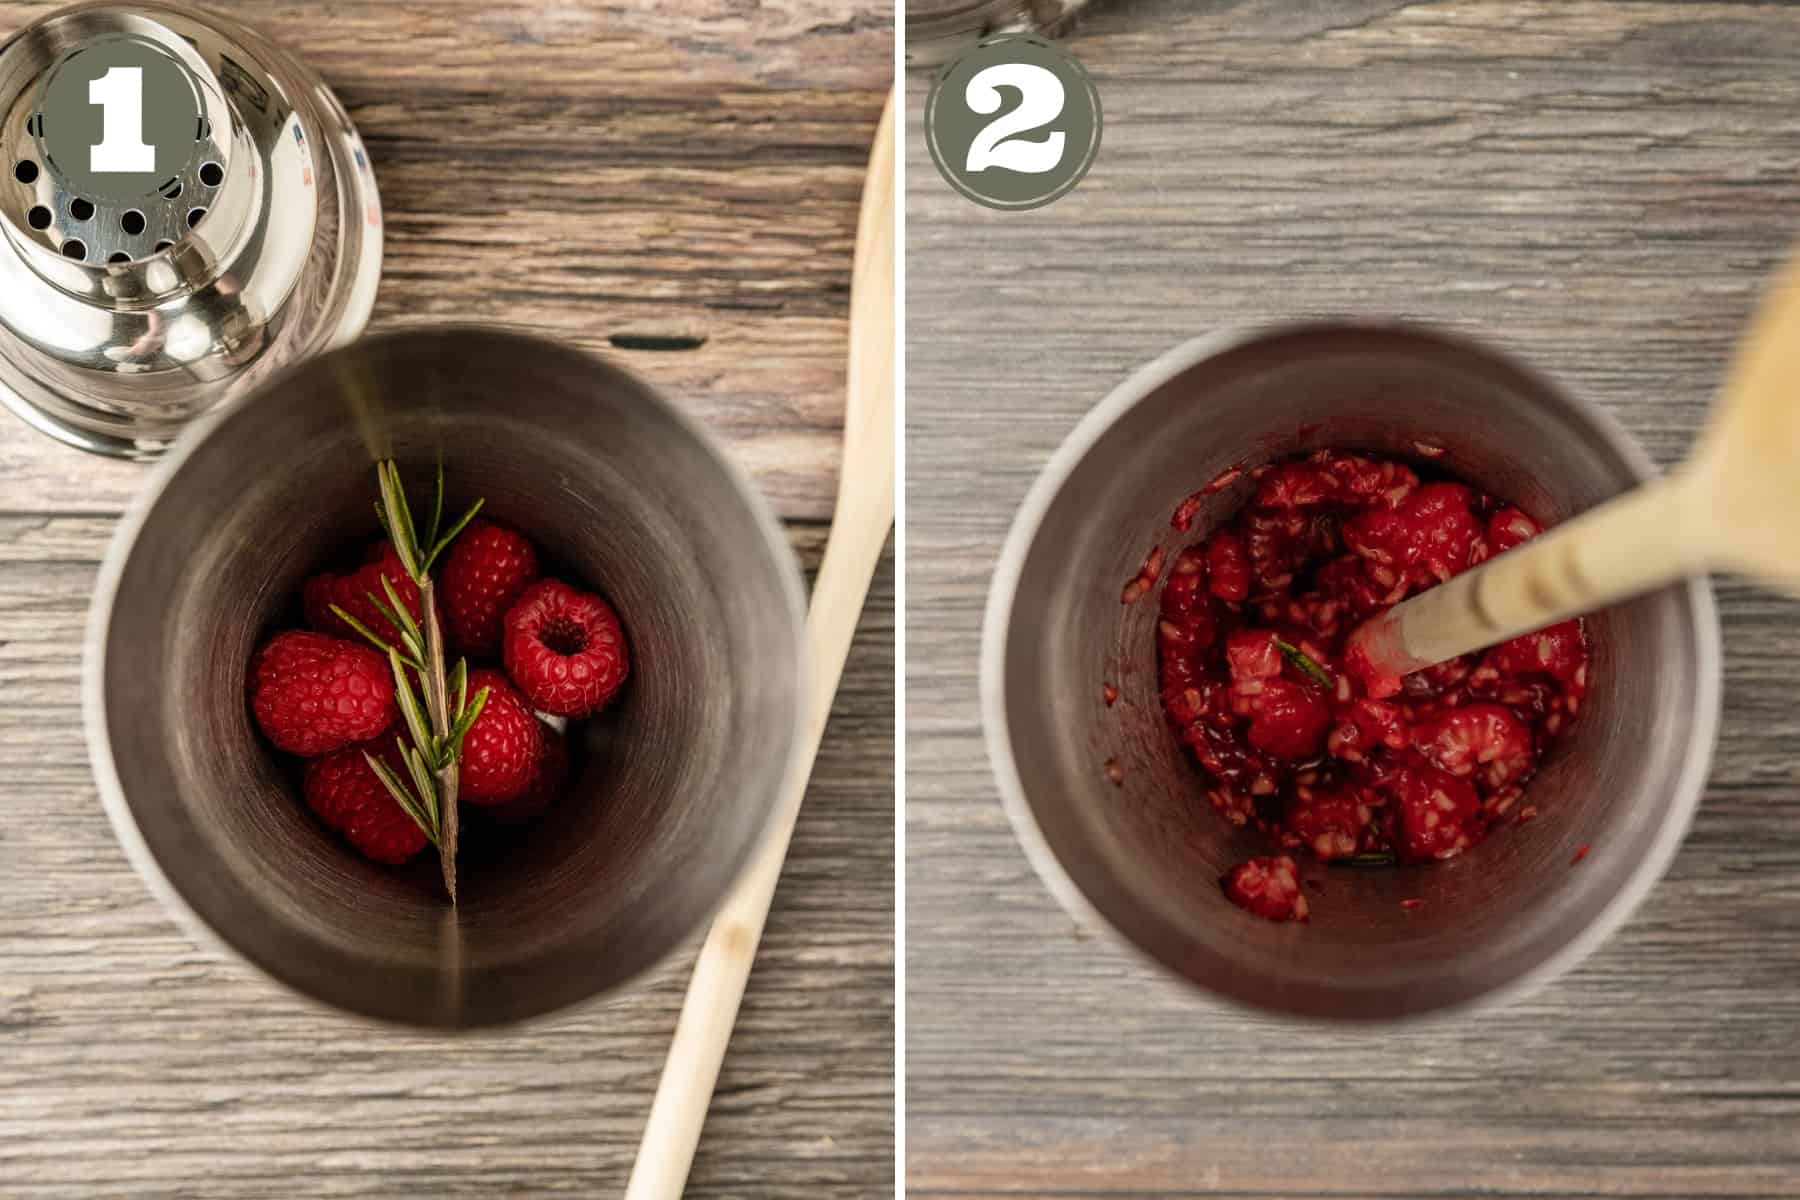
(163, 245)
(39, 217)
(212, 174)
(202, 128)
(34, 125)
(76, 249)
(81, 209)
(132, 222)
(171, 190)
(25, 171)
(194, 216)
(120, 257)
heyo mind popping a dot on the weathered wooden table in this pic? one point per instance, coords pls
(1599, 188)
(591, 171)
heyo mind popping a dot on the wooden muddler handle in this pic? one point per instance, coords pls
(1643, 540)
(1729, 506)
(859, 527)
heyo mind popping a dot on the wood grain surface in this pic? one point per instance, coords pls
(588, 170)
(1597, 187)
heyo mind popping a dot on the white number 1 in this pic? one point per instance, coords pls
(120, 95)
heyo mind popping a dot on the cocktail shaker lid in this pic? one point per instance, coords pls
(937, 29)
(184, 207)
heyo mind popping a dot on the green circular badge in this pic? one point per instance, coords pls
(120, 116)
(1013, 122)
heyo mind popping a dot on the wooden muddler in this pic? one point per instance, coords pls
(1732, 506)
(859, 528)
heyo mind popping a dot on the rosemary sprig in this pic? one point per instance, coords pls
(416, 555)
(394, 611)
(413, 658)
(438, 721)
(1373, 858)
(1306, 664)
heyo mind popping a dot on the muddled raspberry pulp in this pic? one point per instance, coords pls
(1251, 638)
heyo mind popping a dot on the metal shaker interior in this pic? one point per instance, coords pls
(675, 782)
(1146, 855)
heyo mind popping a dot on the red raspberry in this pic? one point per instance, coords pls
(547, 779)
(1290, 720)
(1508, 528)
(1178, 673)
(1206, 700)
(488, 568)
(1295, 485)
(313, 694)
(1139, 585)
(1186, 590)
(1346, 580)
(1252, 654)
(1268, 887)
(1224, 755)
(1480, 735)
(565, 649)
(351, 593)
(1439, 679)
(1559, 651)
(1368, 725)
(500, 753)
(1428, 538)
(1228, 566)
(1364, 481)
(1186, 637)
(1433, 815)
(351, 799)
(1278, 542)
(1327, 821)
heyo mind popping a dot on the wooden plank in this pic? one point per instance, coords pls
(592, 171)
(134, 1063)
(1598, 187)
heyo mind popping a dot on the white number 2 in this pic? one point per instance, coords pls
(1041, 101)
(120, 95)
